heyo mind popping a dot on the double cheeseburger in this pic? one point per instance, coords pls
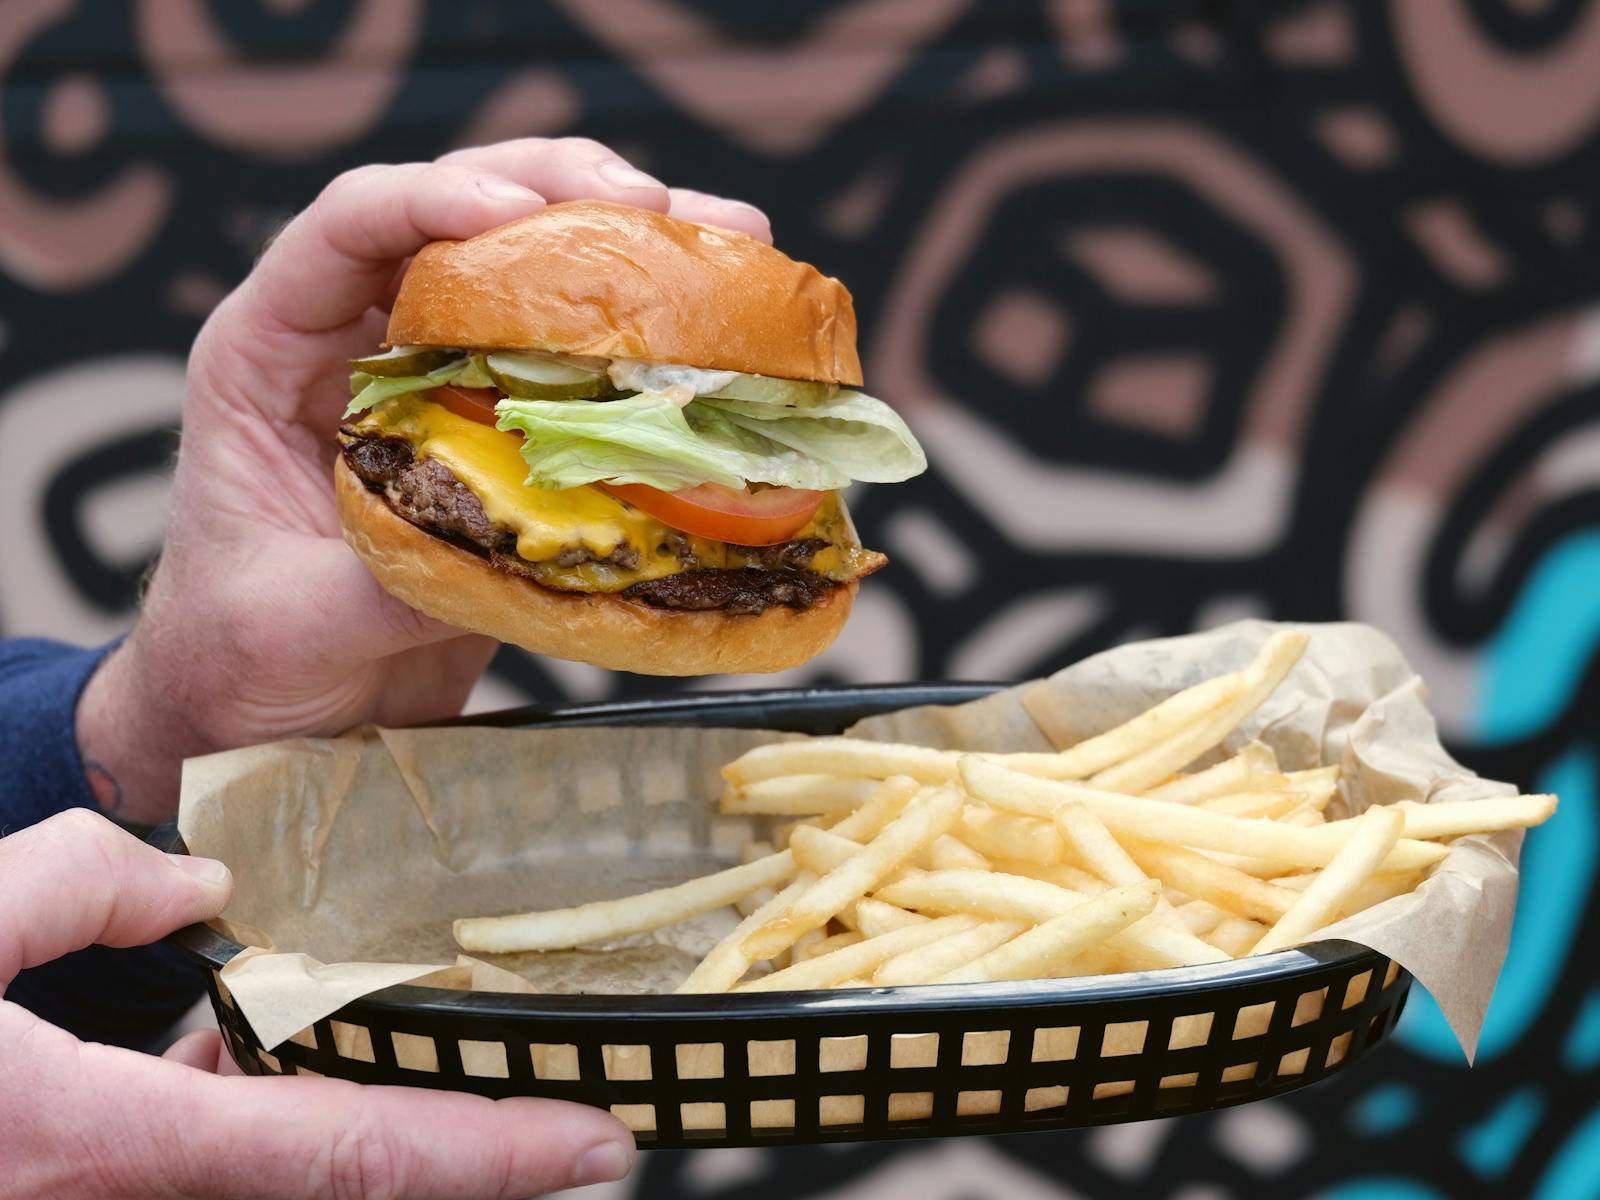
(608, 435)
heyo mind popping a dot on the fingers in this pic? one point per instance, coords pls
(201, 1050)
(577, 168)
(292, 1137)
(567, 169)
(77, 880)
(689, 205)
(335, 260)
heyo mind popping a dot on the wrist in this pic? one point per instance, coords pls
(131, 738)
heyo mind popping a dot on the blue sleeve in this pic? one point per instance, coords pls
(121, 997)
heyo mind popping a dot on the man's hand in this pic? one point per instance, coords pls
(259, 623)
(106, 1124)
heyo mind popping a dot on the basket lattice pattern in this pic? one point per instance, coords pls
(885, 1064)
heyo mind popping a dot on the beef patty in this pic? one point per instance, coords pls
(426, 493)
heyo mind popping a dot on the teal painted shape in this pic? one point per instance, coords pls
(1492, 1145)
(1539, 653)
(1574, 1173)
(1381, 1188)
(1556, 857)
(1386, 1108)
(1582, 1049)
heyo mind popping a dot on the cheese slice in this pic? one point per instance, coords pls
(546, 522)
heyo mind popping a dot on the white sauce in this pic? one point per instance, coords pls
(677, 383)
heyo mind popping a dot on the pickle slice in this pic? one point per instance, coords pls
(787, 393)
(530, 377)
(405, 360)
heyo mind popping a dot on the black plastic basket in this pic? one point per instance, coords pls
(857, 1064)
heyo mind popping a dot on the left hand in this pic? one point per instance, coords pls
(259, 622)
(89, 1122)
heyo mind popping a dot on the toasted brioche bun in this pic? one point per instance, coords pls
(458, 587)
(588, 277)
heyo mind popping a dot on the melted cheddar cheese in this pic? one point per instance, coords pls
(547, 522)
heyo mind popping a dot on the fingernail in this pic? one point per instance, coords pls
(496, 188)
(604, 1163)
(620, 174)
(207, 870)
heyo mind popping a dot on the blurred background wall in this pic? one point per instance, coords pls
(1202, 309)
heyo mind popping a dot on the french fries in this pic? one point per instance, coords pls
(886, 864)
(1053, 943)
(923, 820)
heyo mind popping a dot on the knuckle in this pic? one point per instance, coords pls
(351, 179)
(584, 148)
(361, 1164)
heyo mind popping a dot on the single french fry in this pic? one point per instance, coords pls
(1149, 728)
(1208, 880)
(565, 928)
(858, 961)
(1260, 679)
(1146, 945)
(845, 756)
(951, 853)
(1254, 804)
(1005, 835)
(1253, 768)
(1061, 874)
(1458, 818)
(727, 962)
(875, 917)
(1305, 815)
(828, 945)
(925, 818)
(1200, 917)
(1182, 823)
(1384, 885)
(798, 796)
(1235, 935)
(1091, 842)
(1377, 830)
(821, 850)
(1032, 955)
(927, 963)
(1319, 783)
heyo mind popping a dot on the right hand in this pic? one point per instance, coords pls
(259, 623)
(100, 1123)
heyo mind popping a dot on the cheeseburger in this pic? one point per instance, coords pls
(605, 434)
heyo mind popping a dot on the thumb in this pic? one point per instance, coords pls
(77, 880)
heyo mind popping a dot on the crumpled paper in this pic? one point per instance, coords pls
(352, 855)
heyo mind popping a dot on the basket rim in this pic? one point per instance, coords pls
(755, 708)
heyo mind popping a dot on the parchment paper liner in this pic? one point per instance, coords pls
(353, 854)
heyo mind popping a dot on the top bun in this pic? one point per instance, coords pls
(590, 277)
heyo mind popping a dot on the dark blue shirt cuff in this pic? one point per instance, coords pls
(122, 997)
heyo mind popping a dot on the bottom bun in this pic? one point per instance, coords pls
(460, 588)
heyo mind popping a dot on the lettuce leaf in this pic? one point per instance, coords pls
(379, 388)
(644, 438)
(648, 439)
(858, 435)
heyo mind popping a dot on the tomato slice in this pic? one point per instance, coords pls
(475, 404)
(744, 518)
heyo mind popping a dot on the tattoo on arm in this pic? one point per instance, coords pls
(107, 791)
